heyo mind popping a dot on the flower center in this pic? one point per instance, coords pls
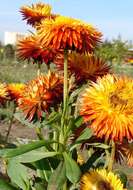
(115, 101)
(104, 185)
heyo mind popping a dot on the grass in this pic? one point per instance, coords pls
(14, 71)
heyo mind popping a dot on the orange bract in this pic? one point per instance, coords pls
(31, 48)
(83, 66)
(3, 93)
(40, 94)
(108, 105)
(69, 33)
(36, 12)
(15, 90)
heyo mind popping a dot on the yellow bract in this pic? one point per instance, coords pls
(100, 180)
(108, 104)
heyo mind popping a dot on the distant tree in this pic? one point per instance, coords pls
(1, 51)
(9, 51)
(113, 51)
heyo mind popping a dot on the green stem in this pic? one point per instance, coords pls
(65, 80)
(65, 186)
(39, 69)
(65, 98)
(112, 157)
(39, 133)
(10, 123)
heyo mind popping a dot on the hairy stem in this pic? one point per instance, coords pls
(112, 157)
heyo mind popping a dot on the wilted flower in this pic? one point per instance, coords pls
(31, 48)
(83, 66)
(108, 105)
(36, 12)
(100, 180)
(15, 90)
(40, 94)
(68, 33)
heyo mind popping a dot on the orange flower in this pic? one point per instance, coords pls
(108, 105)
(83, 66)
(36, 12)
(3, 93)
(31, 48)
(15, 90)
(69, 33)
(40, 94)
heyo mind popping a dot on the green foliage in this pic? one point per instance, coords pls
(114, 51)
(18, 174)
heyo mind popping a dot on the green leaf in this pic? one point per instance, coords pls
(86, 134)
(34, 155)
(78, 121)
(86, 166)
(18, 174)
(9, 153)
(6, 186)
(99, 145)
(72, 169)
(57, 178)
(53, 117)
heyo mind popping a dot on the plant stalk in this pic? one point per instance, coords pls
(10, 123)
(39, 133)
(65, 79)
(39, 69)
(112, 157)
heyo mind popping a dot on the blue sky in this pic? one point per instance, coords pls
(111, 17)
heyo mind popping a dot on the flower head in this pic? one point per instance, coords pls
(100, 180)
(31, 48)
(83, 66)
(36, 12)
(15, 90)
(3, 93)
(40, 94)
(69, 33)
(108, 105)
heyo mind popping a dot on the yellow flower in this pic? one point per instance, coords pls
(40, 94)
(108, 105)
(100, 180)
(36, 12)
(83, 66)
(68, 33)
(15, 90)
(3, 93)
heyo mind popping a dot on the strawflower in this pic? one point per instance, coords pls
(30, 48)
(84, 66)
(100, 180)
(69, 33)
(40, 94)
(107, 107)
(3, 93)
(15, 90)
(36, 12)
